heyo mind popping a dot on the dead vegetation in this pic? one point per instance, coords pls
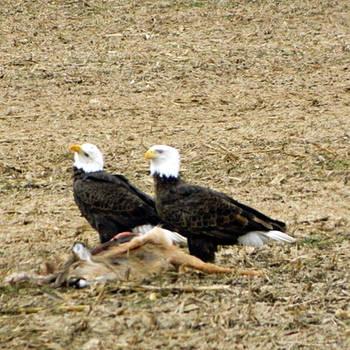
(255, 94)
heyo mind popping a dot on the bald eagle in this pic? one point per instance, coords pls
(110, 203)
(207, 218)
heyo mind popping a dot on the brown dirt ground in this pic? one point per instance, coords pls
(255, 94)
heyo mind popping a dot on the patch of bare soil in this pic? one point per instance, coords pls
(255, 95)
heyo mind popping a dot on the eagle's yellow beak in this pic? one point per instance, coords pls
(150, 154)
(76, 148)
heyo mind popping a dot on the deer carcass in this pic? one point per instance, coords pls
(140, 257)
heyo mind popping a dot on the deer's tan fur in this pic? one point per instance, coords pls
(143, 256)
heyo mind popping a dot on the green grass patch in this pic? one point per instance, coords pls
(312, 241)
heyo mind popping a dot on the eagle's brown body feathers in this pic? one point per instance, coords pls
(111, 204)
(207, 218)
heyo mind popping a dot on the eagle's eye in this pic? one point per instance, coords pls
(160, 151)
(86, 154)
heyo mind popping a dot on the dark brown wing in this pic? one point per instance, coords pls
(208, 218)
(195, 210)
(111, 204)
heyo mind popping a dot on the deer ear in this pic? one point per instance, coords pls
(81, 252)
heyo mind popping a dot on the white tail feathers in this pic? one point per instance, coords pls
(258, 238)
(174, 237)
(280, 237)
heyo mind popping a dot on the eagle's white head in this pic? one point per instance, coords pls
(165, 161)
(87, 157)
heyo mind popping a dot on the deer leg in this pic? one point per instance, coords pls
(183, 260)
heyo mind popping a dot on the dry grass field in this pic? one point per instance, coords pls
(254, 94)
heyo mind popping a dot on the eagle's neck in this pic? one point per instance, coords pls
(163, 182)
(79, 173)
